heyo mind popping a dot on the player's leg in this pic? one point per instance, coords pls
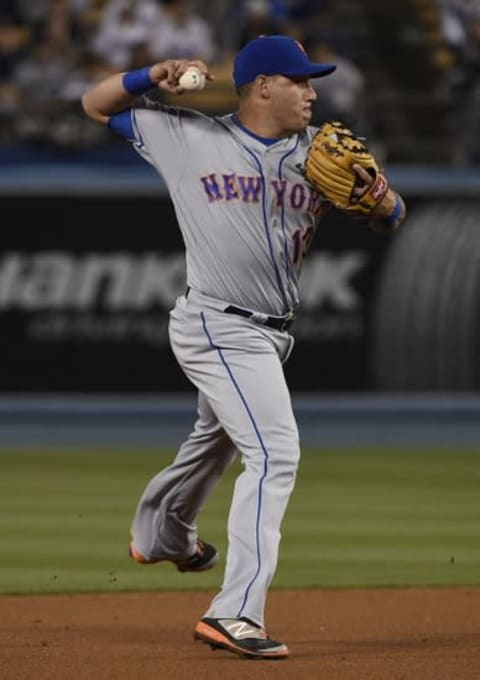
(239, 369)
(164, 524)
(267, 435)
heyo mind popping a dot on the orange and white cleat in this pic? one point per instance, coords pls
(239, 636)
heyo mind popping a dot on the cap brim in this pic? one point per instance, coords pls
(315, 71)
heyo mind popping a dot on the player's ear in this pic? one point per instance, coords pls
(263, 85)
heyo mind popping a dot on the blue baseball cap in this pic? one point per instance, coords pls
(270, 55)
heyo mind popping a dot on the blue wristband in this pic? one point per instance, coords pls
(139, 81)
(393, 220)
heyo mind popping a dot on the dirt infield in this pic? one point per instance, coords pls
(373, 634)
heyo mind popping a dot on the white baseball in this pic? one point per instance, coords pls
(192, 79)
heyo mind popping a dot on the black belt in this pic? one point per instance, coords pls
(280, 323)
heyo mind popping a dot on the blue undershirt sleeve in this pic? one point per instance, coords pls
(121, 124)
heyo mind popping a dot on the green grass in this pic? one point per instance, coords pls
(356, 518)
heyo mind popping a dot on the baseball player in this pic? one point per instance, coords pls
(247, 216)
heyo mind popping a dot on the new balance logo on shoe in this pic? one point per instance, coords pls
(241, 629)
(239, 636)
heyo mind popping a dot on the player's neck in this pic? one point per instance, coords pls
(259, 125)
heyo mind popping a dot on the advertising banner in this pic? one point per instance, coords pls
(86, 283)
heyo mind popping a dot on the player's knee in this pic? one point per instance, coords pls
(285, 454)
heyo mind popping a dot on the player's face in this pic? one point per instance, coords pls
(292, 100)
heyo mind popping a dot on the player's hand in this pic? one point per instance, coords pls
(167, 73)
(365, 180)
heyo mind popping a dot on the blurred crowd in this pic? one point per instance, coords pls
(52, 50)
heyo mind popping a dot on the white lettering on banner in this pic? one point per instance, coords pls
(56, 280)
(34, 282)
(114, 297)
(109, 278)
(327, 277)
(161, 279)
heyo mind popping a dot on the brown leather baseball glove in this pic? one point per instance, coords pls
(328, 167)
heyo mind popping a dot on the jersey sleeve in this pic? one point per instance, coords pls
(163, 135)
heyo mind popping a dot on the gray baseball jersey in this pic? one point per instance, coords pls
(244, 209)
(247, 216)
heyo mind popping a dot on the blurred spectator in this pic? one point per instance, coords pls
(182, 33)
(320, 27)
(34, 14)
(341, 96)
(453, 27)
(125, 28)
(37, 79)
(254, 18)
(304, 19)
(15, 36)
(461, 29)
(74, 21)
(247, 19)
(84, 70)
(47, 83)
